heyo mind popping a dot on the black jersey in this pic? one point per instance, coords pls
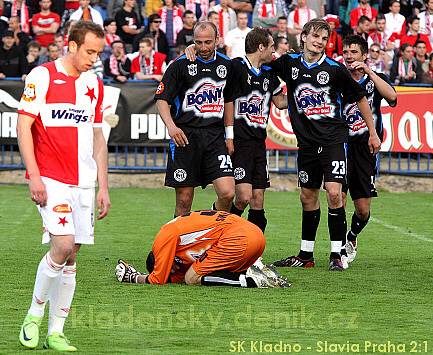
(358, 130)
(253, 95)
(197, 90)
(315, 102)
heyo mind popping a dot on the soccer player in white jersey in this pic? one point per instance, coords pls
(62, 145)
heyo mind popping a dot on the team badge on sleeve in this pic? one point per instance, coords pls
(160, 88)
(29, 93)
(369, 87)
(295, 73)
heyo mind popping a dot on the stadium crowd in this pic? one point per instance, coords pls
(143, 36)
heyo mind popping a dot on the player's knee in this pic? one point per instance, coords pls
(307, 199)
(65, 251)
(184, 201)
(242, 201)
(334, 199)
(226, 195)
(363, 213)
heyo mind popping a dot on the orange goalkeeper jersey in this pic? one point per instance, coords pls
(184, 240)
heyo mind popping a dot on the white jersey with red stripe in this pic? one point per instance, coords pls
(66, 109)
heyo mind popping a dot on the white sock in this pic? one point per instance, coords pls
(259, 263)
(48, 272)
(61, 299)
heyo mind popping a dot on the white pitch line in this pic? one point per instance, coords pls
(401, 230)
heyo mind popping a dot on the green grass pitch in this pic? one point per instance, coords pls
(384, 299)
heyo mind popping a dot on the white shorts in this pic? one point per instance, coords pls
(69, 211)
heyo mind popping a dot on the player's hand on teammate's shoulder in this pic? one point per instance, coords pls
(374, 143)
(190, 52)
(230, 146)
(104, 204)
(38, 191)
(178, 136)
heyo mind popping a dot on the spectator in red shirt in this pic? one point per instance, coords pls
(148, 65)
(334, 47)
(413, 34)
(45, 24)
(364, 9)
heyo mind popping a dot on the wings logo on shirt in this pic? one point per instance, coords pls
(71, 114)
(312, 102)
(354, 119)
(253, 109)
(205, 97)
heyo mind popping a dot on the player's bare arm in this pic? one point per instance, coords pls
(25, 141)
(175, 132)
(100, 154)
(228, 124)
(373, 141)
(280, 101)
(386, 90)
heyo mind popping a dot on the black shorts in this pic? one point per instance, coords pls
(202, 161)
(361, 171)
(321, 164)
(250, 164)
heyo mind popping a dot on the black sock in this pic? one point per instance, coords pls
(337, 227)
(258, 218)
(236, 210)
(310, 223)
(357, 226)
(227, 278)
(214, 206)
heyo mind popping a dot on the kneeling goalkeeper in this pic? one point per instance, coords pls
(211, 248)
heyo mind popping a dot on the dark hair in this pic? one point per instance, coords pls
(52, 45)
(153, 17)
(211, 13)
(58, 34)
(419, 41)
(380, 17)
(241, 13)
(404, 46)
(363, 19)
(117, 41)
(79, 30)
(392, 2)
(257, 36)
(187, 12)
(150, 262)
(282, 18)
(33, 44)
(108, 21)
(278, 40)
(411, 19)
(202, 25)
(314, 25)
(355, 39)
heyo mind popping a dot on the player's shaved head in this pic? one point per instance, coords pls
(204, 26)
